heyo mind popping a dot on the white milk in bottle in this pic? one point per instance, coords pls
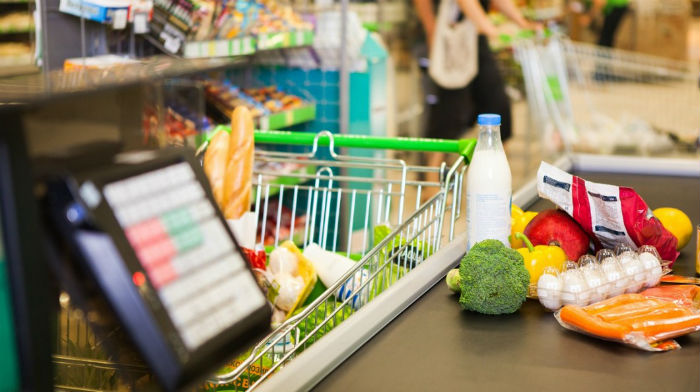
(488, 185)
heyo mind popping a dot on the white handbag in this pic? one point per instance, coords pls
(454, 52)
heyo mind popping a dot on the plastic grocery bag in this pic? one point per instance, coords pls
(612, 215)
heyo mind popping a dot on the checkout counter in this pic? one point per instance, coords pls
(434, 345)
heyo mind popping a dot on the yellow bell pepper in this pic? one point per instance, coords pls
(539, 257)
(518, 220)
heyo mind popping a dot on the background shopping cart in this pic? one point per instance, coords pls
(588, 98)
(369, 209)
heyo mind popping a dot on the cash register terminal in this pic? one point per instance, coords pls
(144, 232)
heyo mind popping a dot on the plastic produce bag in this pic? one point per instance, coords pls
(610, 214)
(646, 323)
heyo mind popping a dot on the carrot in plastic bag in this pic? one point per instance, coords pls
(685, 295)
(632, 309)
(655, 330)
(655, 314)
(592, 324)
(612, 302)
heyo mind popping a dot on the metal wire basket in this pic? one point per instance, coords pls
(363, 203)
(589, 98)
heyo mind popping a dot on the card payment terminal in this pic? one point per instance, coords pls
(146, 231)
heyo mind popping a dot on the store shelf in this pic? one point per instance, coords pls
(288, 118)
(292, 39)
(12, 31)
(220, 48)
(44, 86)
(244, 46)
(14, 70)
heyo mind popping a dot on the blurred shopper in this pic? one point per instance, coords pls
(452, 111)
(613, 11)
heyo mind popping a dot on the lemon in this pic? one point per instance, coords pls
(677, 222)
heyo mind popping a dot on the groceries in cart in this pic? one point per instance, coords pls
(647, 321)
(228, 163)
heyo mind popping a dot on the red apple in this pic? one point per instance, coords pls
(556, 227)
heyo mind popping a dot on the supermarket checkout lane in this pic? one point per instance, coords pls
(435, 345)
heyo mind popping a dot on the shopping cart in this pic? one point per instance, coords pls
(363, 203)
(588, 98)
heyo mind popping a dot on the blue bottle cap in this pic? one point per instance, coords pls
(489, 119)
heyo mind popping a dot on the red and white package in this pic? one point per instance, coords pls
(610, 214)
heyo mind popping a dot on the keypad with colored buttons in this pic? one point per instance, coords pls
(185, 251)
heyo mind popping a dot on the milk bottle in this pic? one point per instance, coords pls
(488, 185)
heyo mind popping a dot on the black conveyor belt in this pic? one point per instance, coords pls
(434, 345)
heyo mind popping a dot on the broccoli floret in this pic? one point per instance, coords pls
(493, 279)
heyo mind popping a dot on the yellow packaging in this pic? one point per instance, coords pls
(306, 271)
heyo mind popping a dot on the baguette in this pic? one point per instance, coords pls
(238, 178)
(215, 159)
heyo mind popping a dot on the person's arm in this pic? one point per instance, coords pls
(426, 15)
(475, 13)
(513, 13)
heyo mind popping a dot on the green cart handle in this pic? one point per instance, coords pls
(464, 147)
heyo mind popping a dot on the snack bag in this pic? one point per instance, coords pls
(612, 215)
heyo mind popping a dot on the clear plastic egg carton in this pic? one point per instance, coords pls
(595, 278)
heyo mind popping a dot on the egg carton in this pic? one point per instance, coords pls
(592, 279)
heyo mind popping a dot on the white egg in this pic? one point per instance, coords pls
(596, 283)
(573, 289)
(634, 271)
(652, 267)
(627, 257)
(548, 291)
(283, 262)
(616, 281)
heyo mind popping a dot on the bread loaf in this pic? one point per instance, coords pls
(239, 169)
(215, 160)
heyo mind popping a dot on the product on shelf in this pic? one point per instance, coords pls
(610, 214)
(107, 61)
(176, 22)
(637, 320)
(263, 102)
(112, 12)
(16, 22)
(15, 53)
(179, 123)
(228, 163)
(595, 279)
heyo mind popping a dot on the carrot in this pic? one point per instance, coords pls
(661, 313)
(655, 330)
(612, 302)
(579, 318)
(632, 309)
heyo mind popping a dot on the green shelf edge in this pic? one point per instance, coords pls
(282, 120)
(289, 39)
